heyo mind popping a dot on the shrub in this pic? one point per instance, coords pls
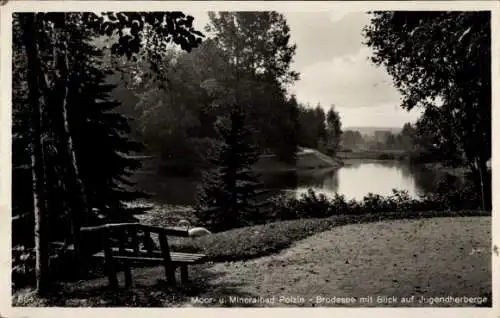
(313, 205)
(23, 266)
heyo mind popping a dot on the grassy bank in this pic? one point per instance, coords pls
(307, 159)
(264, 239)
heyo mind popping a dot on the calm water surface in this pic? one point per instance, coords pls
(354, 180)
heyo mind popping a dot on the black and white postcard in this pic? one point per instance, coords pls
(249, 154)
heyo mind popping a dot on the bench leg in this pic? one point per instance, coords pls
(110, 264)
(113, 281)
(111, 271)
(128, 275)
(184, 274)
(170, 275)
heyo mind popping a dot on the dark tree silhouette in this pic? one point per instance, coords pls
(333, 131)
(257, 44)
(441, 61)
(50, 41)
(227, 196)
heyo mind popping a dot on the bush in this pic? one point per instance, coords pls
(421, 156)
(23, 266)
(312, 205)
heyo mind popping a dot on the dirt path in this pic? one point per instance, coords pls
(429, 257)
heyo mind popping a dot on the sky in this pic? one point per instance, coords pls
(335, 69)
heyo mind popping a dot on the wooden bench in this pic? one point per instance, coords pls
(126, 244)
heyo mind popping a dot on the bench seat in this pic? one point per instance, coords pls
(146, 256)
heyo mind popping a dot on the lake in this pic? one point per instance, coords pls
(354, 180)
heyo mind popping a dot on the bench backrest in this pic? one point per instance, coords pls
(131, 238)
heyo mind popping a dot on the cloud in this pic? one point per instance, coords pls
(322, 35)
(347, 81)
(385, 115)
(336, 70)
(337, 15)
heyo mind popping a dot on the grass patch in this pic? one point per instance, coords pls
(274, 236)
(253, 241)
(261, 240)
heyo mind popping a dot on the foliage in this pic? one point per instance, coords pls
(312, 127)
(312, 205)
(91, 108)
(70, 106)
(256, 42)
(176, 118)
(405, 140)
(288, 126)
(256, 45)
(317, 129)
(352, 139)
(333, 131)
(23, 266)
(383, 139)
(440, 61)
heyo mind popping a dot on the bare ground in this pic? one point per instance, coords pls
(429, 257)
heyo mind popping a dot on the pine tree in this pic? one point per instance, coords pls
(227, 198)
(99, 135)
(102, 145)
(71, 132)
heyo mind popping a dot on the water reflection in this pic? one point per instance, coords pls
(354, 180)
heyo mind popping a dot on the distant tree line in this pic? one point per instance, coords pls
(382, 139)
(319, 130)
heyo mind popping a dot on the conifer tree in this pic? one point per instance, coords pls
(227, 196)
(77, 145)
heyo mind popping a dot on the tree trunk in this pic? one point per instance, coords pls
(479, 174)
(37, 156)
(485, 183)
(79, 203)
